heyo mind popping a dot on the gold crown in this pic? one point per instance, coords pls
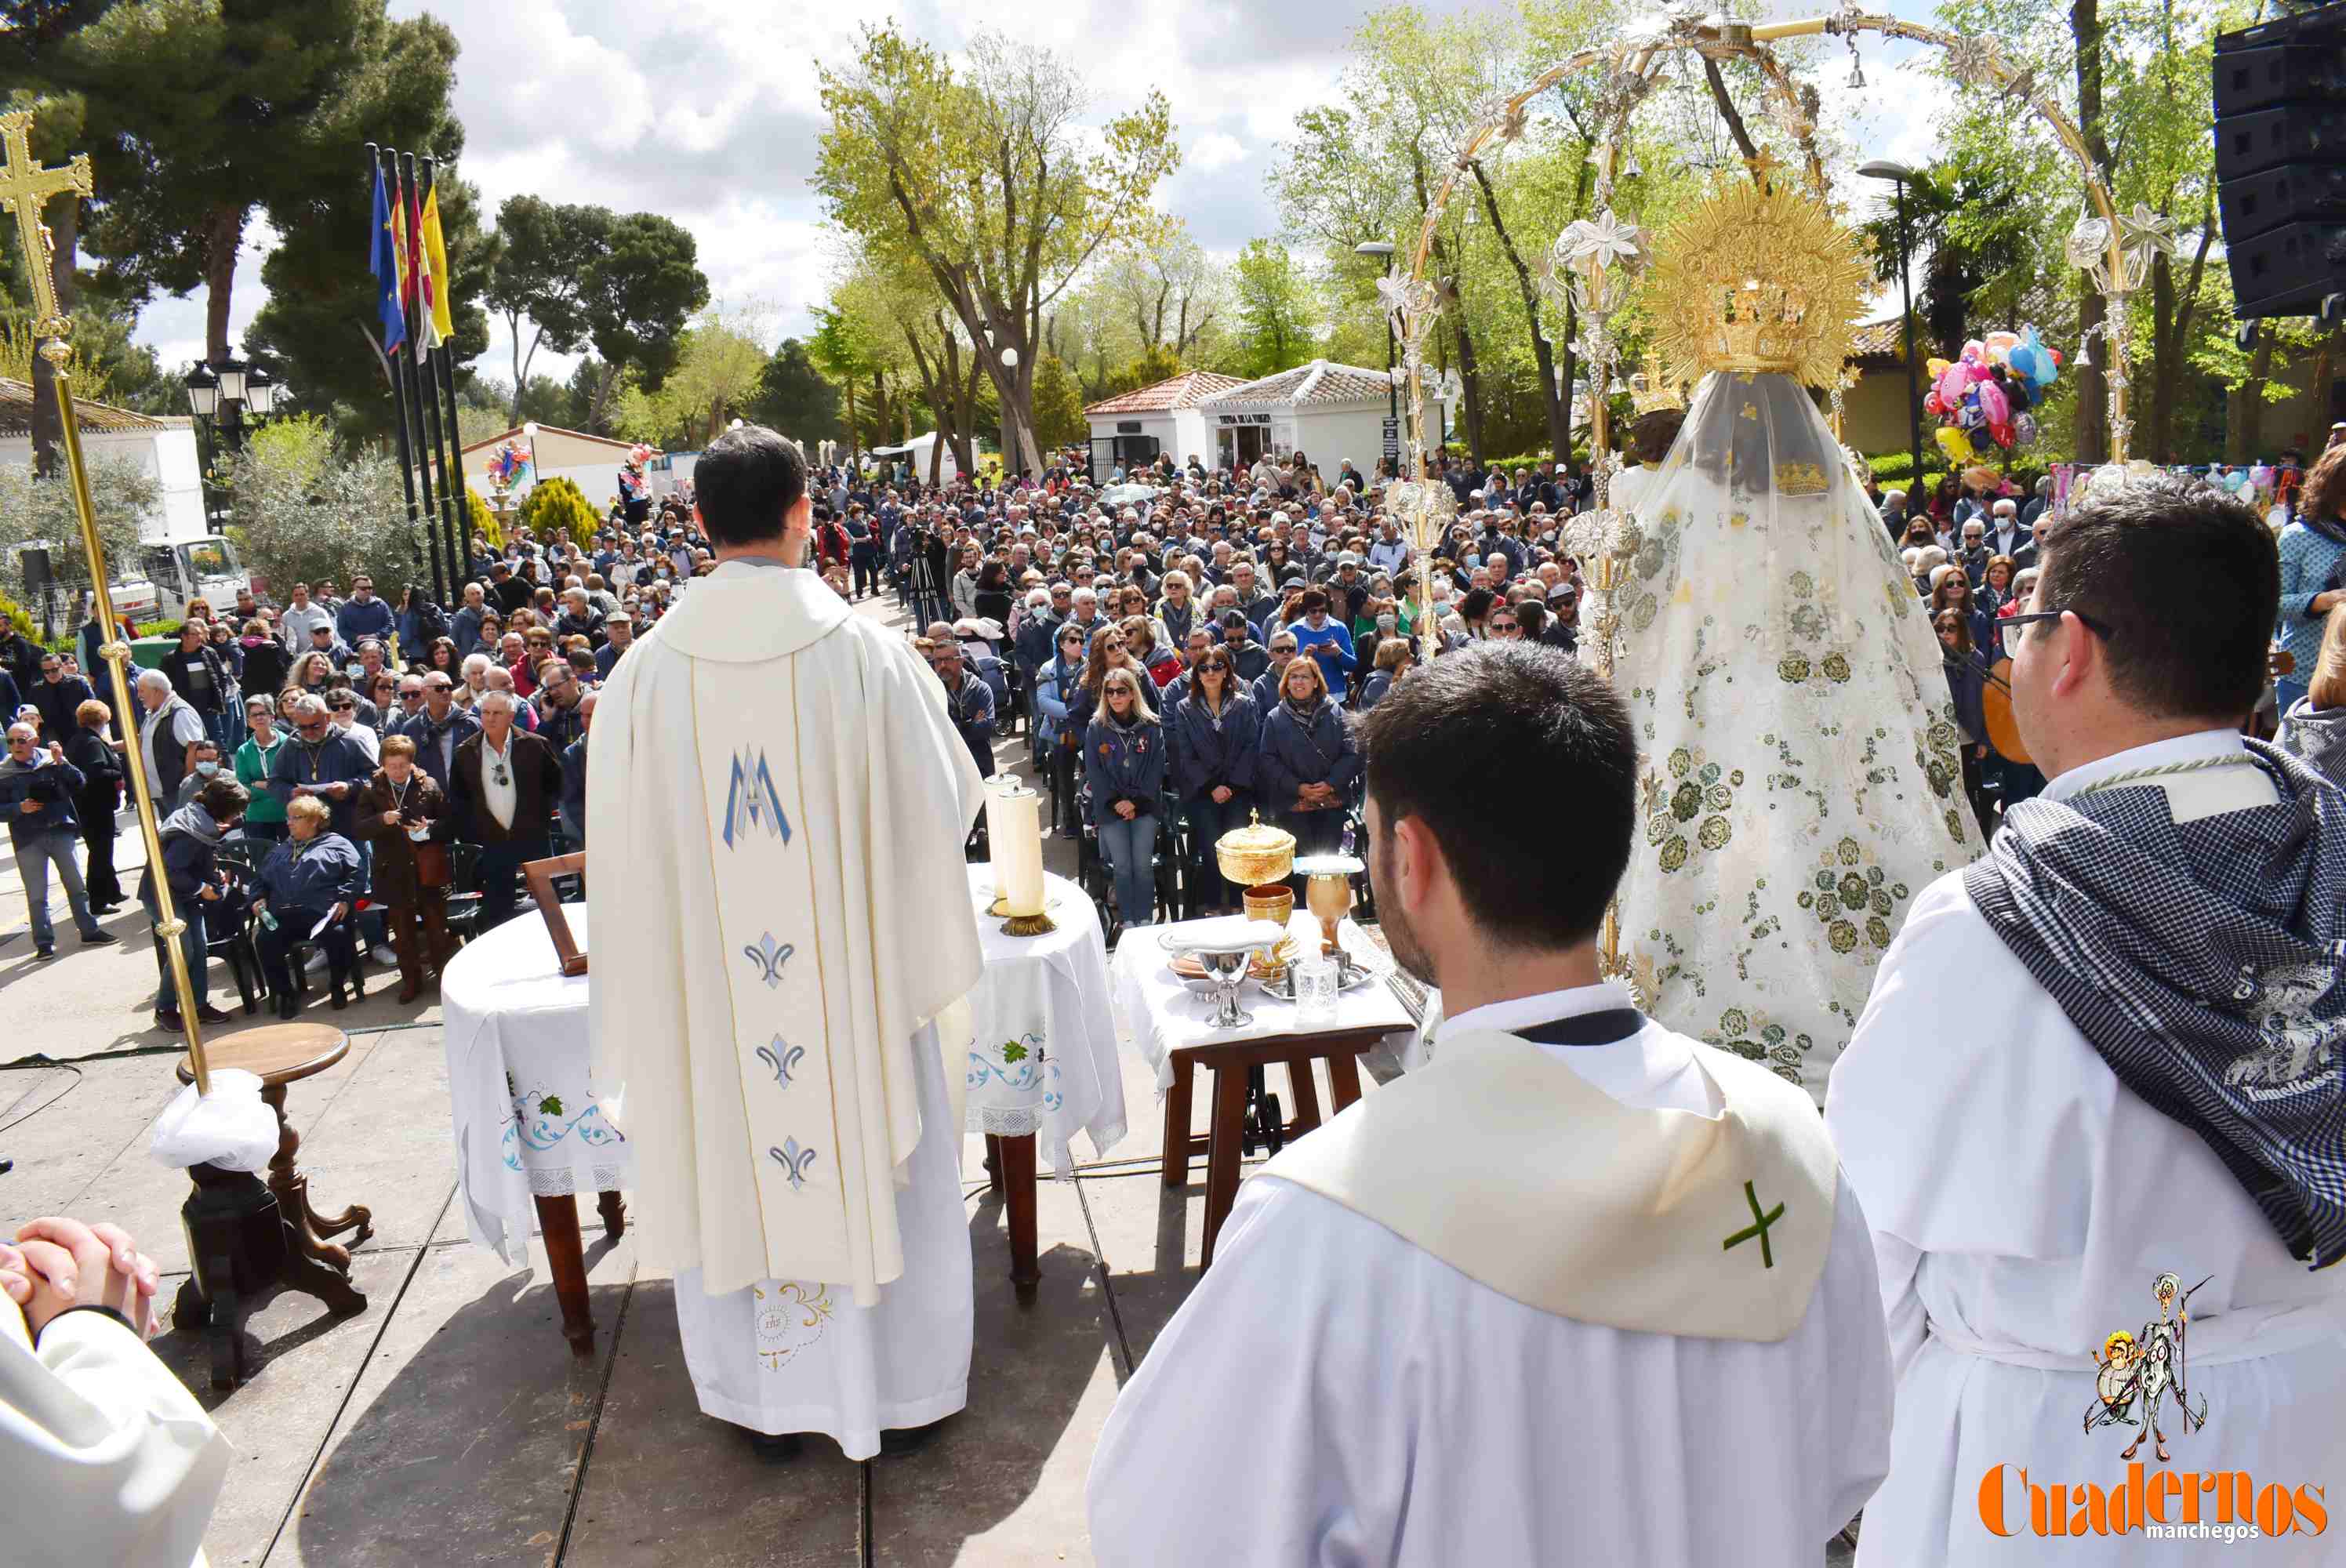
(1758, 277)
(1652, 390)
(1801, 479)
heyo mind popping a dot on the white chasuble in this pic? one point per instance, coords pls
(1522, 1307)
(777, 803)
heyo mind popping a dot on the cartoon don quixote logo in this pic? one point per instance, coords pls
(2141, 1371)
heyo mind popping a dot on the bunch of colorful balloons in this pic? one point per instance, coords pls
(509, 465)
(1982, 399)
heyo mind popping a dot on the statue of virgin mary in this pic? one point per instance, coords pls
(1802, 782)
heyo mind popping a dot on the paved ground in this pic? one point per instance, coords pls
(448, 1424)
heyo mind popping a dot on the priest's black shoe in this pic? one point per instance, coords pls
(897, 1442)
(776, 1447)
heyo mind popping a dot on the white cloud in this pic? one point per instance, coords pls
(708, 112)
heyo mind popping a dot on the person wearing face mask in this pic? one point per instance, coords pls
(203, 767)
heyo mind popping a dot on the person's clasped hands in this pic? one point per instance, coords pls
(57, 1264)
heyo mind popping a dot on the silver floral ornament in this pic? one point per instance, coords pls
(2146, 233)
(2087, 248)
(1977, 64)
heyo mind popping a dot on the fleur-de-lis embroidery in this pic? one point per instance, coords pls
(769, 956)
(794, 1161)
(781, 1057)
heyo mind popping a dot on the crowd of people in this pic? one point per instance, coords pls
(1179, 662)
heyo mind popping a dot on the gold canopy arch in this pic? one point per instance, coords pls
(1593, 262)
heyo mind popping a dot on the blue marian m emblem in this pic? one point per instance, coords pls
(782, 1058)
(793, 1160)
(751, 802)
(769, 958)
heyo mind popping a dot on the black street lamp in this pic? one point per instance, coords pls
(221, 396)
(1382, 250)
(1883, 169)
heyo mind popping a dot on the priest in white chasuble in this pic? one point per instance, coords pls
(776, 803)
(1581, 1289)
(2097, 1106)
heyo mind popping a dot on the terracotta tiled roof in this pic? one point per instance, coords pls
(16, 413)
(1317, 382)
(1185, 391)
(1881, 340)
(514, 434)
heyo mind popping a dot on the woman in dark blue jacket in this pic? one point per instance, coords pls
(1124, 764)
(1966, 680)
(1217, 735)
(1308, 761)
(314, 875)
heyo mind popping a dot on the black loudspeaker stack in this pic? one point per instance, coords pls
(2280, 162)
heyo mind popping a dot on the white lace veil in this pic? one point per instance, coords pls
(1800, 779)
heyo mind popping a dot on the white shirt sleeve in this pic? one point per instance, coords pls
(105, 1457)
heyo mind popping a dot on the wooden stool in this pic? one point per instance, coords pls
(237, 1254)
(1340, 1048)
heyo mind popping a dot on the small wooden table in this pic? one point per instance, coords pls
(1229, 1062)
(227, 1284)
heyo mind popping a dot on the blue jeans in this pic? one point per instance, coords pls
(192, 943)
(1127, 848)
(34, 855)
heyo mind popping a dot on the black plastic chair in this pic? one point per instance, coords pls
(235, 946)
(464, 889)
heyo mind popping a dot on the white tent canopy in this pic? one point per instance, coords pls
(916, 453)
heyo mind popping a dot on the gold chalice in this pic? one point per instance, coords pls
(1327, 895)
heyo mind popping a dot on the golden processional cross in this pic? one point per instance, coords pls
(25, 190)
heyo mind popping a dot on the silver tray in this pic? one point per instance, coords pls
(1353, 978)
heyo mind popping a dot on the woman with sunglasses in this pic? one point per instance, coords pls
(1056, 683)
(1966, 680)
(1216, 733)
(1124, 769)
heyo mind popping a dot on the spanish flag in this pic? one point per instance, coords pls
(438, 325)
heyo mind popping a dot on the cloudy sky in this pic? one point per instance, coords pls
(707, 110)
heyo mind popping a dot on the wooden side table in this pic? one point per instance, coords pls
(240, 1252)
(566, 1258)
(1340, 1048)
(1010, 1171)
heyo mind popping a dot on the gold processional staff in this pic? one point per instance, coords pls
(25, 188)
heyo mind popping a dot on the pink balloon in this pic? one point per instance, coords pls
(1993, 404)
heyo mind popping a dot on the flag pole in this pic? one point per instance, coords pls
(412, 368)
(376, 159)
(438, 374)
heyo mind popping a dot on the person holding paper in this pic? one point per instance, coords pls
(304, 892)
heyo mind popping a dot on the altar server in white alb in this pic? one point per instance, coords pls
(776, 803)
(2094, 1108)
(1578, 1290)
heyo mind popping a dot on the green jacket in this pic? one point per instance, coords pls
(252, 773)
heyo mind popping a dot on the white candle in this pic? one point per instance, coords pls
(1016, 830)
(998, 786)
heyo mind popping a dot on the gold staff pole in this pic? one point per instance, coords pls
(25, 188)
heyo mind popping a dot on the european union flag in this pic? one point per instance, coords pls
(386, 262)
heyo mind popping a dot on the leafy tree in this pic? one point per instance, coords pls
(639, 295)
(557, 508)
(1146, 370)
(1058, 407)
(793, 398)
(538, 275)
(843, 349)
(985, 177)
(480, 522)
(304, 511)
(1275, 308)
(31, 508)
(201, 116)
(719, 369)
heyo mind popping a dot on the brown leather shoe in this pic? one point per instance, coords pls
(409, 990)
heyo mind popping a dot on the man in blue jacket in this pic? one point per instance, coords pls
(37, 791)
(363, 616)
